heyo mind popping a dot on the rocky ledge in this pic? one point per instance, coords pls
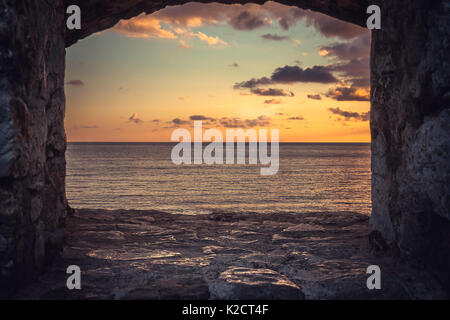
(155, 255)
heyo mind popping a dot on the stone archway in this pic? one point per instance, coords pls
(410, 117)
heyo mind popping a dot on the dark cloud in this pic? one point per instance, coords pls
(273, 101)
(287, 74)
(348, 115)
(272, 92)
(348, 94)
(247, 21)
(274, 37)
(178, 121)
(252, 83)
(291, 74)
(331, 27)
(314, 96)
(201, 117)
(296, 118)
(134, 118)
(355, 71)
(75, 83)
(351, 60)
(357, 48)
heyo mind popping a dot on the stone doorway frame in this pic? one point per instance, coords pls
(410, 117)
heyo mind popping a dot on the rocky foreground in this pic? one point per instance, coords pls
(155, 255)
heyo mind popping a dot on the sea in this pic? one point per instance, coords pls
(312, 177)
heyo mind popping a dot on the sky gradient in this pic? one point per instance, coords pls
(233, 66)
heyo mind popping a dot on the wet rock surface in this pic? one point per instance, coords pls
(155, 255)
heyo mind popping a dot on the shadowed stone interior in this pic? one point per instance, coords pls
(410, 124)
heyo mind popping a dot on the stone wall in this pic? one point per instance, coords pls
(32, 138)
(409, 123)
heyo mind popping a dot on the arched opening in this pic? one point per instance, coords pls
(230, 66)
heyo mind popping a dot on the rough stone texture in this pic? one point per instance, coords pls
(32, 139)
(409, 123)
(241, 283)
(155, 255)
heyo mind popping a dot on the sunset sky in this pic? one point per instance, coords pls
(233, 66)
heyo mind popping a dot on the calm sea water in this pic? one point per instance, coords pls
(312, 177)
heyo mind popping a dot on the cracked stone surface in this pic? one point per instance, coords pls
(155, 255)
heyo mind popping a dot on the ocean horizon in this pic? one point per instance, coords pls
(312, 177)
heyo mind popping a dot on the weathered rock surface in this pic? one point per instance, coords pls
(155, 255)
(241, 283)
(410, 124)
(32, 138)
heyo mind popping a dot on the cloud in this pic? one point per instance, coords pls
(348, 115)
(314, 96)
(178, 121)
(331, 27)
(134, 118)
(291, 74)
(225, 122)
(273, 92)
(273, 101)
(183, 44)
(248, 21)
(351, 60)
(288, 74)
(75, 83)
(274, 37)
(348, 94)
(357, 48)
(201, 117)
(143, 26)
(296, 118)
(177, 22)
(261, 121)
(210, 40)
(252, 83)
(285, 75)
(150, 27)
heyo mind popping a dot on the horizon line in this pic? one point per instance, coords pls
(175, 142)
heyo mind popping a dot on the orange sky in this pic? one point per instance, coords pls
(153, 74)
